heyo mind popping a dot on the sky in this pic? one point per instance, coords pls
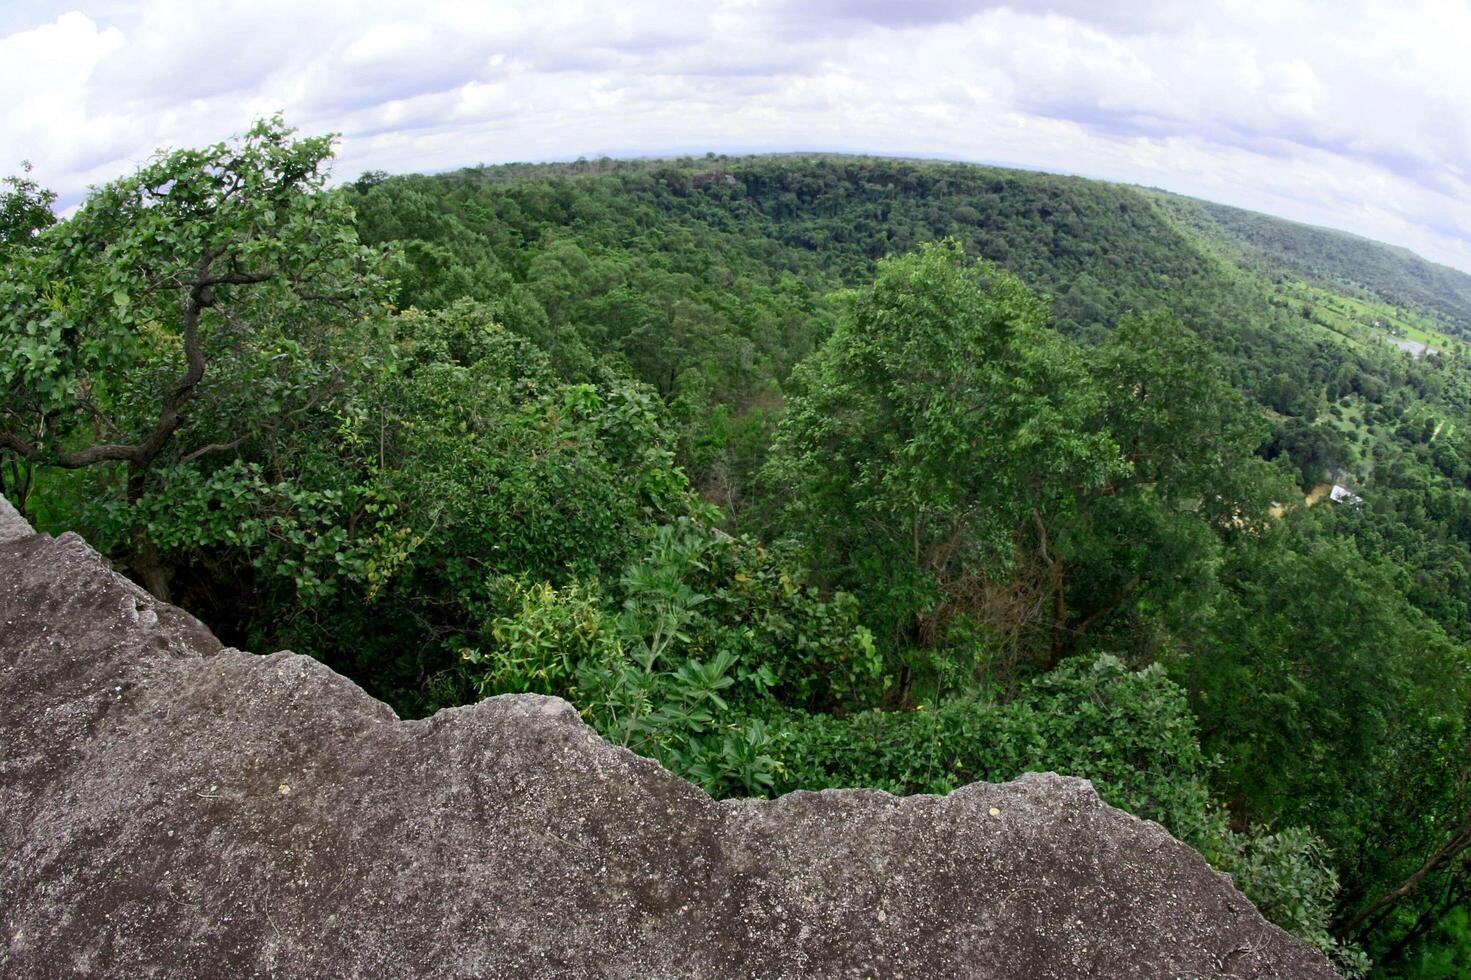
(1355, 115)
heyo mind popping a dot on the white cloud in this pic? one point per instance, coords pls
(1352, 115)
(52, 122)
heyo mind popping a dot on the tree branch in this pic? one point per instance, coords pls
(1108, 607)
(140, 454)
(214, 447)
(67, 461)
(1459, 840)
(235, 279)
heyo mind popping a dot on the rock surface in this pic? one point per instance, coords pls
(169, 808)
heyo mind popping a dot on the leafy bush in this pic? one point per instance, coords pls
(711, 631)
(1288, 876)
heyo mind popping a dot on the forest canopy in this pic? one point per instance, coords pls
(804, 472)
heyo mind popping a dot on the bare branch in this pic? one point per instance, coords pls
(214, 447)
(67, 461)
(17, 445)
(1458, 841)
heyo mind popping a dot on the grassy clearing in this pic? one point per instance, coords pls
(1360, 321)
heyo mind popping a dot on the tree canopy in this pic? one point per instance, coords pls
(226, 261)
(802, 472)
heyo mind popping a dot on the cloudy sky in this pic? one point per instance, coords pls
(1342, 113)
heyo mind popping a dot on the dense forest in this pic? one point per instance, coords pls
(802, 472)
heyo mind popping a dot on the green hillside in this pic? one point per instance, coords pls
(1368, 270)
(806, 471)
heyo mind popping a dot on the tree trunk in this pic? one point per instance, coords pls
(16, 489)
(1058, 646)
(1057, 578)
(147, 565)
(1070, 640)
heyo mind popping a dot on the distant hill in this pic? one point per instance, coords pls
(1331, 259)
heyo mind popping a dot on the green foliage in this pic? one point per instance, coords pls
(1288, 877)
(1128, 731)
(939, 418)
(289, 533)
(25, 210)
(231, 249)
(1305, 724)
(540, 640)
(1332, 258)
(1446, 953)
(780, 495)
(709, 628)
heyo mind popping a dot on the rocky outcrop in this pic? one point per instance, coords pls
(169, 808)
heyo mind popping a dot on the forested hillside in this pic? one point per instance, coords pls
(1334, 260)
(799, 472)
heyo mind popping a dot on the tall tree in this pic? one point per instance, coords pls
(939, 422)
(206, 268)
(1190, 476)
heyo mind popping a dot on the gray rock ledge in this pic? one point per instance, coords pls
(169, 808)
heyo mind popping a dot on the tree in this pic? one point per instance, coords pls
(940, 422)
(206, 267)
(25, 210)
(1153, 529)
(1323, 689)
